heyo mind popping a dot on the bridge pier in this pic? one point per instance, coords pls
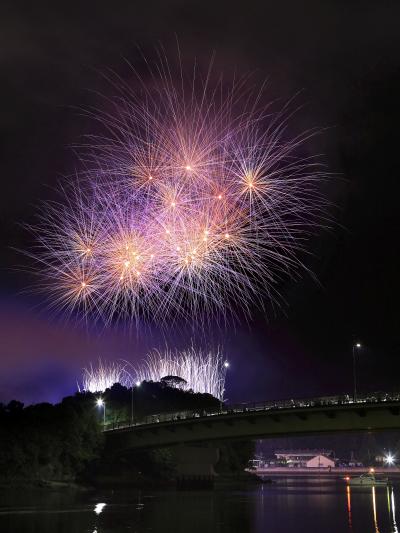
(195, 466)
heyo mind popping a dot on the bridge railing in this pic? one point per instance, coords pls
(254, 407)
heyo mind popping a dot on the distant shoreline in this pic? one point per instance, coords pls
(334, 472)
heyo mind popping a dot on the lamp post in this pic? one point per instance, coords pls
(356, 347)
(226, 366)
(389, 459)
(101, 403)
(138, 383)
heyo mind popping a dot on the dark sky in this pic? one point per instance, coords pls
(343, 56)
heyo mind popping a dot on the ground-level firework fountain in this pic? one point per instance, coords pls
(103, 375)
(202, 371)
(199, 371)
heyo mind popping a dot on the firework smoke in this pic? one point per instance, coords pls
(194, 199)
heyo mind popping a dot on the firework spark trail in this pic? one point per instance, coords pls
(203, 372)
(194, 199)
(103, 376)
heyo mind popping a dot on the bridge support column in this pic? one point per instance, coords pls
(195, 466)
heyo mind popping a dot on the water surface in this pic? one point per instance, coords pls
(294, 505)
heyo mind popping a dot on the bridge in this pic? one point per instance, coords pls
(334, 414)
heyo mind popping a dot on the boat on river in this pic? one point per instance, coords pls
(367, 480)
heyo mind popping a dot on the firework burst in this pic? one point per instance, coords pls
(193, 204)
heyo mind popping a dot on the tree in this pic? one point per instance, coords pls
(174, 381)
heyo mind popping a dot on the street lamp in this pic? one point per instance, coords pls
(138, 383)
(389, 459)
(221, 404)
(101, 403)
(356, 347)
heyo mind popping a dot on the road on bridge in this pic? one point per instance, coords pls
(261, 420)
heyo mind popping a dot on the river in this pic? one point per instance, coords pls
(296, 505)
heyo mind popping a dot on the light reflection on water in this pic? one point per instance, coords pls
(374, 510)
(349, 507)
(391, 513)
(285, 506)
(99, 507)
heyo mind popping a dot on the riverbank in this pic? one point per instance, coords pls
(334, 472)
(43, 484)
(225, 480)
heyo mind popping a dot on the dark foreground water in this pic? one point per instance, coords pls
(288, 505)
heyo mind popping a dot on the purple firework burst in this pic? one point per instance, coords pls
(193, 199)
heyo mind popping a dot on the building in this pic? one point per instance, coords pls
(320, 461)
(306, 458)
(256, 463)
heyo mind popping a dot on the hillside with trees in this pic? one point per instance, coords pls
(64, 442)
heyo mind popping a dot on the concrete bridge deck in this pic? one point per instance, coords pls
(261, 420)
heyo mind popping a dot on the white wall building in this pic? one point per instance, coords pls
(306, 458)
(320, 461)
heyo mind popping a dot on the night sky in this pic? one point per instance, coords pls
(343, 57)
